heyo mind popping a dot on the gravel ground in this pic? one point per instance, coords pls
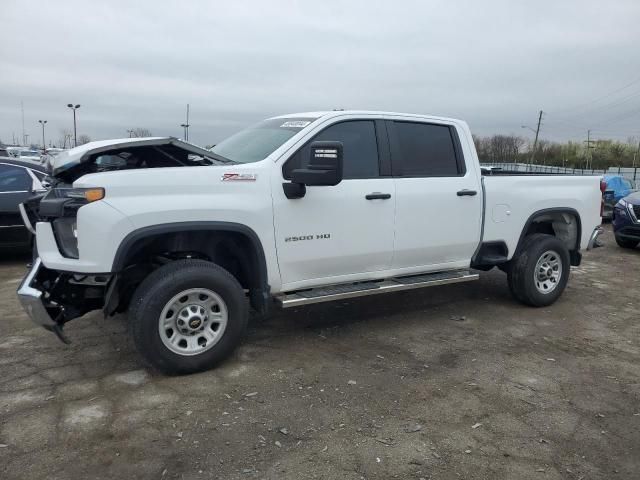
(452, 382)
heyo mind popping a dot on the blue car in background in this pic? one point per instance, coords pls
(617, 188)
(626, 221)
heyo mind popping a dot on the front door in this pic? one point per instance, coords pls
(336, 233)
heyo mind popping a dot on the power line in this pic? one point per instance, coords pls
(596, 100)
(628, 114)
(599, 109)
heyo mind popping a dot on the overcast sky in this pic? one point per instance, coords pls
(492, 63)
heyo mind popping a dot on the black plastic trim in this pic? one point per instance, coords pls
(214, 226)
(532, 217)
(378, 196)
(384, 152)
(457, 147)
(630, 232)
(491, 254)
(294, 190)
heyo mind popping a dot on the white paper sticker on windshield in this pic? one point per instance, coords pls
(295, 124)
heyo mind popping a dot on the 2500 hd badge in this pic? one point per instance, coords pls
(321, 236)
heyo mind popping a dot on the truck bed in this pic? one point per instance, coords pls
(510, 200)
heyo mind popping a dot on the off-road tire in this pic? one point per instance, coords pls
(151, 297)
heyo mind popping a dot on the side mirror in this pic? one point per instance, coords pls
(325, 166)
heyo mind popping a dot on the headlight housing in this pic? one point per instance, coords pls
(66, 236)
(87, 194)
(60, 206)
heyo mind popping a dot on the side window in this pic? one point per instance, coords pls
(425, 150)
(626, 183)
(14, 179)
(360, 149)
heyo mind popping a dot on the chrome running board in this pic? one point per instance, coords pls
(361, 289)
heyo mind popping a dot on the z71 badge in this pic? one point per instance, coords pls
(239, 177)
(321, 236)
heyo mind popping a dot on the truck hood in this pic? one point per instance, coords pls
(130, 153)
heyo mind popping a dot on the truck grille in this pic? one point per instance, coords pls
(636, 210)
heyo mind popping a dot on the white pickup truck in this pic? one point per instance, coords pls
(298, 209)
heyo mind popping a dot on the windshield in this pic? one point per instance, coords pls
(261, 140)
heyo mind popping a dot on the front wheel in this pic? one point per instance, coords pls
(187, 316)
(625, 243)
(539, 272)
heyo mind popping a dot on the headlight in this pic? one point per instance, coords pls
(86, 194)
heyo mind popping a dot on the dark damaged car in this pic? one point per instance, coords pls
(626, 221)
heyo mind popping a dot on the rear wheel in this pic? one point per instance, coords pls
(626, 243)
(539, 271)
(187, 316)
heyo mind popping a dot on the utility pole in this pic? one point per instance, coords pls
(535, 141)
(589, 147)
(186, 126)
(636, 155)
(24, 138)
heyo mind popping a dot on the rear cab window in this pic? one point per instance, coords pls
(420, 149)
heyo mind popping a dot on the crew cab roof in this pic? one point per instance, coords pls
(338, 113)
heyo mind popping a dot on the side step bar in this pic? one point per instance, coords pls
(361, 289)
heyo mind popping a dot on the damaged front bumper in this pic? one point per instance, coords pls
(32, 299)
(51, 298)
(33, 302)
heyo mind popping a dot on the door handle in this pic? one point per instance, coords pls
(466, 193)
(378, 196)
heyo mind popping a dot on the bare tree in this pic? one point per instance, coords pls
(64, 140)
(499, 148)
(82, 139)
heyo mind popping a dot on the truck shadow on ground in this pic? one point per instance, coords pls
(451, 300)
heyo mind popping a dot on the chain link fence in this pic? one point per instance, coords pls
(632, 173)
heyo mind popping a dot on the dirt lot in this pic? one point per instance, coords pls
(446, 383)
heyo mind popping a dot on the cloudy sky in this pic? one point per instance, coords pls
(492, 63)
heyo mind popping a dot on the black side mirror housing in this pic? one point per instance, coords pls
(325, 166)
(325, 169)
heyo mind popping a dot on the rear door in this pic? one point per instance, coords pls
(438, 197)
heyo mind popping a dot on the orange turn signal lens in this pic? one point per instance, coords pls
(93, 194)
